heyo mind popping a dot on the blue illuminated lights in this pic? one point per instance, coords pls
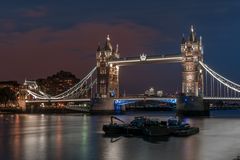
(118, 103)
(112, 94)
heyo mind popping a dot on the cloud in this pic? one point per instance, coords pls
(40, 52)
(35, 13)
(7, 25)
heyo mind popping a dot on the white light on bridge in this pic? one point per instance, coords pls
(42, 105)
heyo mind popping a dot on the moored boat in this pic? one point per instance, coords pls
(142, 126)
(156, 131)
(181, 129)
(186, 132)
(114, 128)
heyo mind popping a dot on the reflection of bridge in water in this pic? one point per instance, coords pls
(200, 84)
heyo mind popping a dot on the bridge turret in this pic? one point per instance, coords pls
(192, 84)
(99, 47)
(107, 74)
(183, 39)
(117, 54)
(192, 36)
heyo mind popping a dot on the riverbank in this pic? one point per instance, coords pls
(45, 110)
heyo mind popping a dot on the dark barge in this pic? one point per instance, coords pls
(142, 126)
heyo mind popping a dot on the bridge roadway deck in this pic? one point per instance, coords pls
(222, 98)
(175, 99)
(146, 98)
(131, 98)
(174, 58)
(88, 99)
(58, 100)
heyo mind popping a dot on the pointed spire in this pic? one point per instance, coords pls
(200, 44)
(117, 48)
(108, 37)
(108, 46)
(99, 47)
(200, 40)
(183, 39)
(192, 36)
(192, 29)
(25, 81)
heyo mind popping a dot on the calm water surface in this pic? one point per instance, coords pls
(76, 136)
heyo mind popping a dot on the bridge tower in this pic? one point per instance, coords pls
(191, 101)
(192, 76)
(107, 74)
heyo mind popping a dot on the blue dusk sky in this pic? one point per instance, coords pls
(39, 38)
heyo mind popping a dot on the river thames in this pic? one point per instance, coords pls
(77, 136)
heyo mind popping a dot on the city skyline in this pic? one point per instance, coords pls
(40, 39)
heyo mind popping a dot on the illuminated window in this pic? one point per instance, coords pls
(103, 71)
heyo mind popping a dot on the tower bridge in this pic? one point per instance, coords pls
(200, 83)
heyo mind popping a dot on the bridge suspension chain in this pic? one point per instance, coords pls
(76, 86)
(219, 86)
(77, 90)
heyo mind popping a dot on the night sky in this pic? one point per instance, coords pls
(40, 38)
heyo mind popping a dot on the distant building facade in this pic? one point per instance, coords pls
(57, 83)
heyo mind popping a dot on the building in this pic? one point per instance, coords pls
(14, 85)
(57, 83)
(10, 96)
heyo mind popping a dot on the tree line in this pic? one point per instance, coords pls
(7, 95)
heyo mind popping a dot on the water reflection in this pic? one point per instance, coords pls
(156, 140)
(115, 138)
(34, 137)
(58, 138)
(84, 137)
(17, 139)
(80, 137)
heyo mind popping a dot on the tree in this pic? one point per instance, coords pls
(6, 95)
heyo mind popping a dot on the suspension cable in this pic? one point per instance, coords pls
(67, 93)
(221, 80)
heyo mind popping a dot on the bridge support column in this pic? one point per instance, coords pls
(105, 106)
(21, 99)
(192, 106)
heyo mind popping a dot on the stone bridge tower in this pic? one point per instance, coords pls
(107, 74)
(191, 101)
(192, 76)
